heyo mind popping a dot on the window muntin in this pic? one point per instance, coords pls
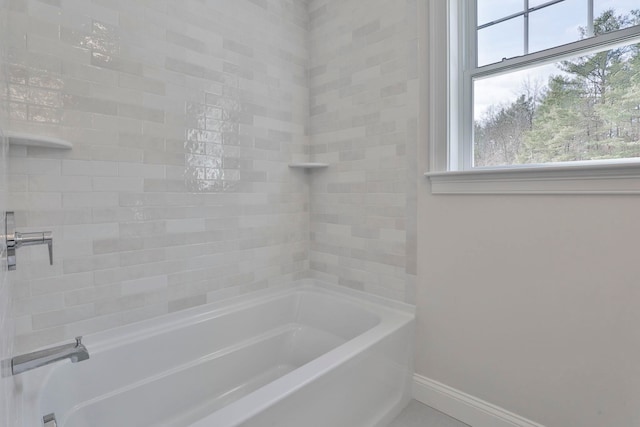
(532, 72)
(489, 11)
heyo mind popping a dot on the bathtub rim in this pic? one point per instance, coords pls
(112, 337)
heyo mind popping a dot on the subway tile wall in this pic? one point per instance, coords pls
(184, 116)
(363, 122)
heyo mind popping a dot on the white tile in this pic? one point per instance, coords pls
(145, 171)
(90, 231)
(188, 225)
(144, 285)
(38, 304)
(45, 183)
(72, 200)
(89, 168)
(122, 184)
(30, 166)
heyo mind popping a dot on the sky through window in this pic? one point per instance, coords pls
(555, 25)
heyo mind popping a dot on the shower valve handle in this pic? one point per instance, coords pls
(35, 238)
(16, 239)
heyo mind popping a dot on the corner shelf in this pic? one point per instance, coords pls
(308, 165)
(31, 140)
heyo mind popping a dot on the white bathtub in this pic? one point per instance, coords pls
(303, 355)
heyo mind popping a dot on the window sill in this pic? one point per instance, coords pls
(621, 177)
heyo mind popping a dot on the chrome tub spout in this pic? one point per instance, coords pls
(76, 352)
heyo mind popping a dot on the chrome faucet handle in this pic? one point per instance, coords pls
(35, 238)
(78, 341)
(15, 240)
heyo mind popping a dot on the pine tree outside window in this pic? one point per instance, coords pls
(541, 84)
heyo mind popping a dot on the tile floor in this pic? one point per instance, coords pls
(418, 415)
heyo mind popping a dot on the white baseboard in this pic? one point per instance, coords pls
(461, 406)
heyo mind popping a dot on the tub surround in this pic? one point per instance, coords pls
(184, 121)
(184, 117)
(363, 121)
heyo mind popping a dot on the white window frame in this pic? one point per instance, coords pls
(450, 107)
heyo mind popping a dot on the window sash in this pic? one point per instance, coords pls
(463, 22)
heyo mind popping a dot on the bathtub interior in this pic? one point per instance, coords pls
(369, 389)
(177, 373)
(192, 391)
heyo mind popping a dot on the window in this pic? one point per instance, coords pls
(538, 85)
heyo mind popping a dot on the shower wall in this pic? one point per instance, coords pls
(184, 116)
(363, 122)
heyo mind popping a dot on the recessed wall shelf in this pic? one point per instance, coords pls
(31, 140)
(308, 165)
